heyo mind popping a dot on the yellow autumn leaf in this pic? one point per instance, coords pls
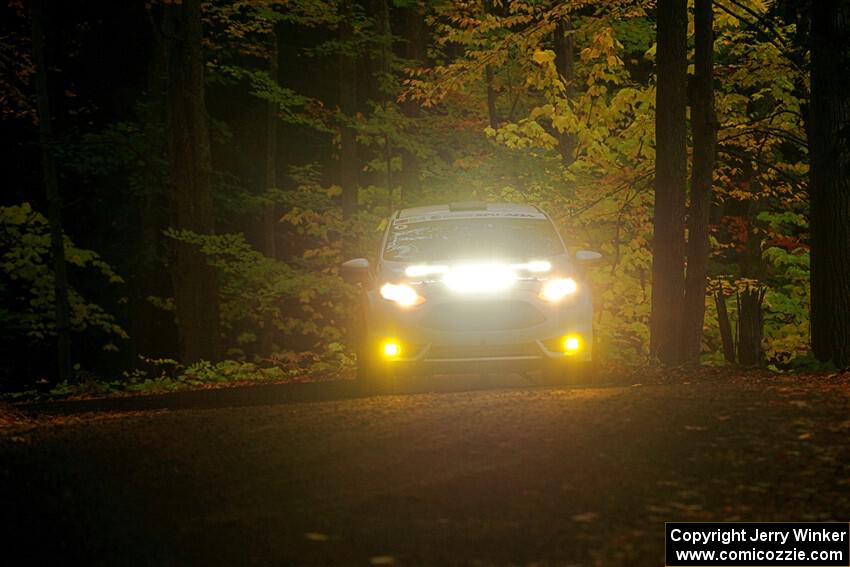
(543, 57)
(334, 191)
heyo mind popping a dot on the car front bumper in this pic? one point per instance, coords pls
(513, 329)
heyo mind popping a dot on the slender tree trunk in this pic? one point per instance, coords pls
(751, 263)
(347, 103)
(382, 26)
(147, 321)
(53, 197)
(750, 325)
(492, 114)
(195, 286)
(670, 182)
(703, 123)
(491, 97)
(725, 328)
(829, 143)
(564, 62)
(414, 32)
(270, 216)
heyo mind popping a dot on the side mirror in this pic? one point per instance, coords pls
(356, 271)
(587, 257)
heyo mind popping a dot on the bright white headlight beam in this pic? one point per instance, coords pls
(557, 289)
(402, 294)
(420, 270)
(479, 278)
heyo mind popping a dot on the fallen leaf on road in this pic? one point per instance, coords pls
(382, 560)
(803, 436)
(695, 428)
(840, 426)
(315, 536)
(586, 517)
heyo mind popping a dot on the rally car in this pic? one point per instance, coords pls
(471, 287)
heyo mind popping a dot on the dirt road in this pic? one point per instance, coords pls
(511, 476)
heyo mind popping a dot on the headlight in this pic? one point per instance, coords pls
(402, 294)
(558, 289)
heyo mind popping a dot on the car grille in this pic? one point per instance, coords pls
(482, 316)
(482, 351)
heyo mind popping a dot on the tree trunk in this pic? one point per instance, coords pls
(195, 286)
(270, 216)
(381, 11)
(414, 33)
(564, 62)
(750, 325)
(703, 123)
(54, 198)
(382, 26)
(829, 144)
(150, 329)
(347, 103)
(725, 328)
(670, 182)
(492, 114)
(491, 97)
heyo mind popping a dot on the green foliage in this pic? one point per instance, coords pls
(161, 375)
(302, 302)
(787, 305)
(581, 147)
(27, 285)
(292, 108)
(256, 291)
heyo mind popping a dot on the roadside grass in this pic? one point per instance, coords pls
(157, 376)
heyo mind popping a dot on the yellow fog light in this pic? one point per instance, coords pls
(572, 344)
(391, 349)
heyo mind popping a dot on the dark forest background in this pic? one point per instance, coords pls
(183, 178)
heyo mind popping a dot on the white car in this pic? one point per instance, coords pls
(471, 287)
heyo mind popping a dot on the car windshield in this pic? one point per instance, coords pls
(453, 238)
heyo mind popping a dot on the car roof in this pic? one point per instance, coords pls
(470, 210)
